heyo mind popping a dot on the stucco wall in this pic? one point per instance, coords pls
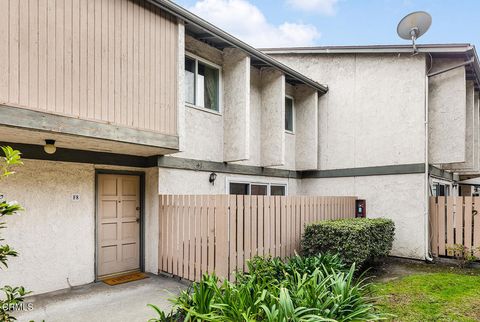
(359, 116)
(236, 105)
(447, 113)
(173, 181)
(306, 134)
(203, 135)
(468, 163)
(398, 197)
(55, 236)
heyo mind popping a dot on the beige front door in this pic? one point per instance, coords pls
(118, 223)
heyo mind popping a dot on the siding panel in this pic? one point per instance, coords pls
(104, 60)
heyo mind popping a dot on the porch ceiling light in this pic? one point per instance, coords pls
(50, 147)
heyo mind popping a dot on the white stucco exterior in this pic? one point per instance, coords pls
(358, 117)
(177, 181)
(447, 114)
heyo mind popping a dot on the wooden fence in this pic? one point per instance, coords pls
(454, 221)
(207, 233)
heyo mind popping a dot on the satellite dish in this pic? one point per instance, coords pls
(413, 26)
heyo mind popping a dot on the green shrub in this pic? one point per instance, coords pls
(317, 288)
(355, 240)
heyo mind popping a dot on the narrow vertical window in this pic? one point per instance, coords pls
(289, 114)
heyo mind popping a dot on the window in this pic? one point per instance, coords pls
(239, 188)
(439, 189)
(257, 189)
(276, 190)
(202, 84)
(289, 114)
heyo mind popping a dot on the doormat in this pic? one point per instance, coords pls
(125, 278)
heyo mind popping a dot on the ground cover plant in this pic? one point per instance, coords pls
(315, 288)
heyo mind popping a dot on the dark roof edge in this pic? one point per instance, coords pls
(186, 15)
(428, 48)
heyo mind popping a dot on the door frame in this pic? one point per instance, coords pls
(141, 175)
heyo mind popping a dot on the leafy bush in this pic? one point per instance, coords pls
(356, 240)
(317, 288)
(12, 295)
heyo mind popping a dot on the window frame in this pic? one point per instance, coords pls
(293, 114)
(447, 186)
(256, 182)
(204, 61)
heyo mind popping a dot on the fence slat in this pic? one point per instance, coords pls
(211, 233)
(468, 242)
(449, 225)
(433, 226)
(204, 233)
(458, 232)
(191, 244)
(267, 225)
(198, 238)
(247, 230)
(260, 226)
(254, 224)
(277, 217)
(232, 263)
(181, 236)
(240, 221)
(476, 225)
(441, 226)
(221, 238)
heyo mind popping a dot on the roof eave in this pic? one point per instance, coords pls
(186, 15)
(373, 49)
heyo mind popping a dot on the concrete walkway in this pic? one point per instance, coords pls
(101, 302)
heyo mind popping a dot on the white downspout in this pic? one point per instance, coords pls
(428, 257)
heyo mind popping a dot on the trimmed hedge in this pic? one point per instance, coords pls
(356, 240)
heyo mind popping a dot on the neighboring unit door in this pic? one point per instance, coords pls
(118, 223)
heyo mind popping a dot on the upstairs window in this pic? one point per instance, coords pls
(289, 114)
(202, 84)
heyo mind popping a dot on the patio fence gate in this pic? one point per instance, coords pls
(454, 221)
(219, 233)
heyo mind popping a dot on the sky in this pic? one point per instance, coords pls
(277, 23)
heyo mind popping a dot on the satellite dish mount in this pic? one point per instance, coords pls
(413, 26)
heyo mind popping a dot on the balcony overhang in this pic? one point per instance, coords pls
(33, 127)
